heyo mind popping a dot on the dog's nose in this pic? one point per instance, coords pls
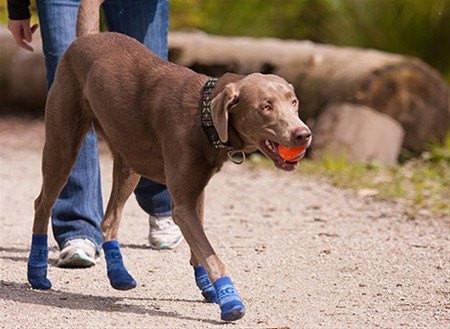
(301, 136)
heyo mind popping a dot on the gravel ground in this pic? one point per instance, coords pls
(302, 253)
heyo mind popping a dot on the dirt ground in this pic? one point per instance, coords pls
(302, 253)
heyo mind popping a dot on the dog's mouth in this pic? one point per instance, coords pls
(270, 150)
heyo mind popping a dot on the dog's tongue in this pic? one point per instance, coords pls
(290, 153)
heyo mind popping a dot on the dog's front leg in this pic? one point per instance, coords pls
(201, 275)
(187, 209)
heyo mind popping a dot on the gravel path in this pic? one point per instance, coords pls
(302, 253)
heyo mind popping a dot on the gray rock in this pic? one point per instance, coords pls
(358, 133)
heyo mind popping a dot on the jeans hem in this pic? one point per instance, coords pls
(162, 214)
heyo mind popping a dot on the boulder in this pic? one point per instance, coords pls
(358, 133)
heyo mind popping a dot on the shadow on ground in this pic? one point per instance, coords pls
(22, 293)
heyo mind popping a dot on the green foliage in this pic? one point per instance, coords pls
(275, 18)
(3, 14)
(414, 27)
(439, 153)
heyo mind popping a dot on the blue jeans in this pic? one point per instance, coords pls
(78, 211)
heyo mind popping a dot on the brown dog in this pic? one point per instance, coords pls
(148, 111)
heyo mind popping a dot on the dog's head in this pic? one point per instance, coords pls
(263, 109)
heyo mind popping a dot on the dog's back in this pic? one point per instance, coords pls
(110, 51)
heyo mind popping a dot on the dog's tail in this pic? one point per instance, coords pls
(88, 20)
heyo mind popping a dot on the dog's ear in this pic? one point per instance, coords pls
(221, 106)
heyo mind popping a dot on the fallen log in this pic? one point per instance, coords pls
(402, 87)
(23, 84)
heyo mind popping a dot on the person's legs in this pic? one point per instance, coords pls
(77, 213)
(148, 22)
(145, 20)
(153, 198)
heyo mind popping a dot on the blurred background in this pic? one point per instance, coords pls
(412, 27)
(380, 118)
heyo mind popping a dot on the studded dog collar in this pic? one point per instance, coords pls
(236, 157)
(206, 116)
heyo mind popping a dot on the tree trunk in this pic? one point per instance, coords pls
(402, 87)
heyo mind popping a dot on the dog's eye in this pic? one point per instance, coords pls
(267, 107)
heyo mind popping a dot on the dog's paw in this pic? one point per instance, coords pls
(117, 273)
(231, 306)
(121, 280)
(204, 284)
(38, 263)
(37, 281)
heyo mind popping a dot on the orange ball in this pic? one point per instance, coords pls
(290, 153)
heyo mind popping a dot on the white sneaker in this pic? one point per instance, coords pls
(164, 233)
(77, 253)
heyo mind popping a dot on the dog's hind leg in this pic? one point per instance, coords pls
(65, 128)
(124, 183)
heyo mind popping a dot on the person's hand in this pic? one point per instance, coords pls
(22, 32)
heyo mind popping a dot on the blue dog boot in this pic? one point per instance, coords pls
(204, 284)
(117, 273)
(38, 263)
(230, 303)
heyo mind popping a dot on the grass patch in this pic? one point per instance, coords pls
(420, 183)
